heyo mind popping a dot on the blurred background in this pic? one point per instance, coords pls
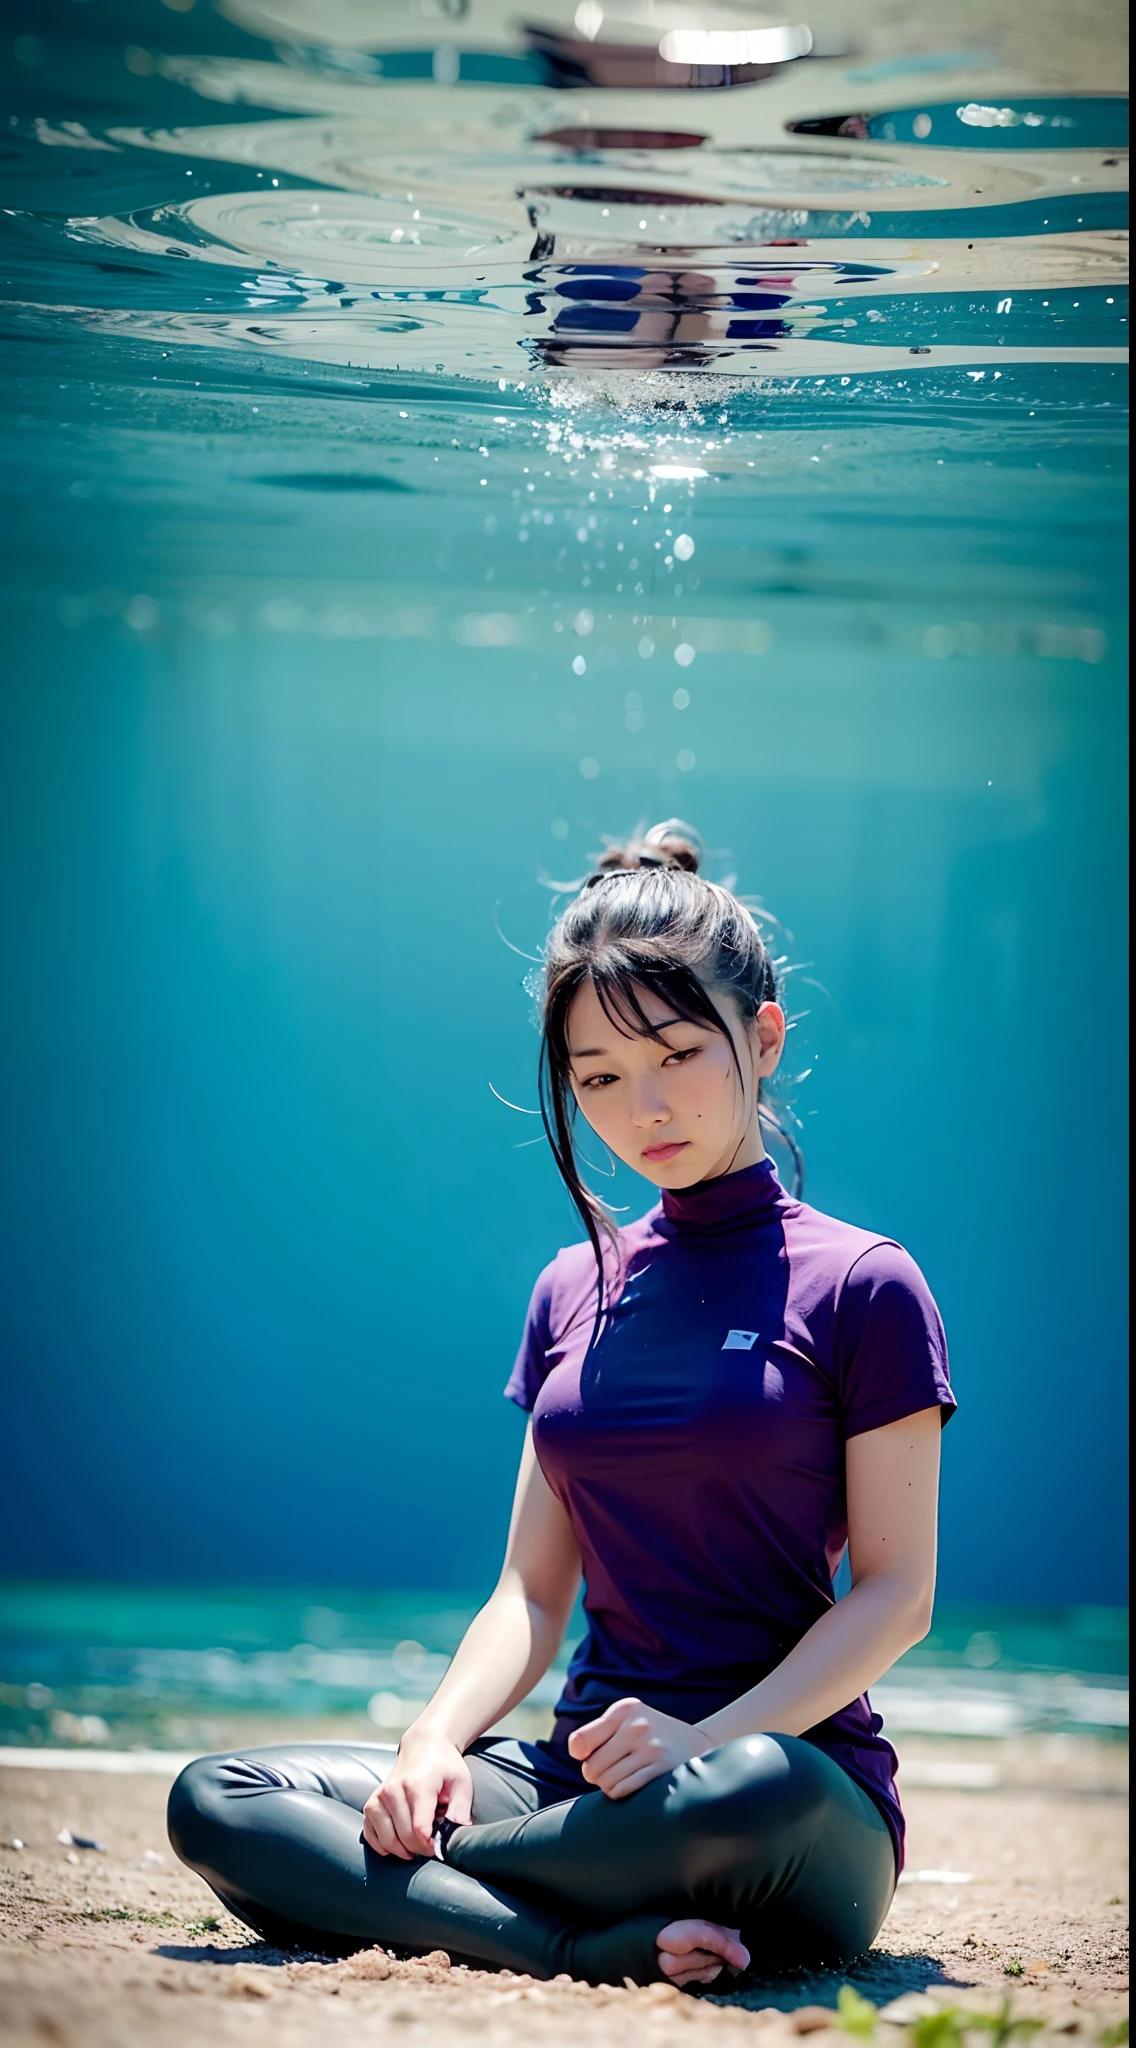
(324, 664)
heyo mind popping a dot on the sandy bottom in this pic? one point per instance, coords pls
(123, 1947)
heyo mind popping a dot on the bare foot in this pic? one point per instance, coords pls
(697, 1951)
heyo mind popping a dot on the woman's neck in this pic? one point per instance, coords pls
(749, 1151)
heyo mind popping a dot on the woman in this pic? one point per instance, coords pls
(724, 1395)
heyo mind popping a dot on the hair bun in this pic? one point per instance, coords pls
(673, 844)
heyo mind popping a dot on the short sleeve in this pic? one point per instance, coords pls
(531, 1367)
(891, 1347)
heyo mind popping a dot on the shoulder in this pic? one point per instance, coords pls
(563, 1287)
(846, 1280)
(882, 1263)
(559, 1300)
(813, 1230)
(874, 1321)
(568, 1282)
(847, 1254)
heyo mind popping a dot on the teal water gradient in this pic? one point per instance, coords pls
(342, 603)
(141, 1660)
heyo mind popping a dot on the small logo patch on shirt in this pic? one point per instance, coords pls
(740, 1340)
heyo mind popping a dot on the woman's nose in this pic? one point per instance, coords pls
(648, 1107)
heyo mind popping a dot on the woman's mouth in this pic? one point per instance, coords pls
(659, 1154)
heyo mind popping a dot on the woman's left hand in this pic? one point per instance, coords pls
(629, 1744)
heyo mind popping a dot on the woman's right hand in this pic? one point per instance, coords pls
(429, 1776)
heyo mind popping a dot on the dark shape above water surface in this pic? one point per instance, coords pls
(331, 480)
(587, 139)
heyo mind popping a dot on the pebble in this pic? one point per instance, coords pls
(243, 1982)
(371, 1964)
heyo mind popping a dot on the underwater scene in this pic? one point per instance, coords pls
(437, 436)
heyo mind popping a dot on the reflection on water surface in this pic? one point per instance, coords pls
(474, 209)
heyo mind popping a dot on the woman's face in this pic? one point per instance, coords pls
(674, 1108)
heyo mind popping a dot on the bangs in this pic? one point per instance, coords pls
(619, 979)
(617, 983)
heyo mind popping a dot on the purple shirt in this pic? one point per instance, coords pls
(698, 1448)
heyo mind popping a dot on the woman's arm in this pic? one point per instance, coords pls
(893, 1489)
(514, 1639)
(505, 1649)
(892, 1477)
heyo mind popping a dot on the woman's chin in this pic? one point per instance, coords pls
(682, 1170)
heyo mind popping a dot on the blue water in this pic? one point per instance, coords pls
(1039, 121)
(357, 399)
(134, 1666)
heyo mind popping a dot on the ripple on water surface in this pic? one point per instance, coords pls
(353, 216)
(267, 218)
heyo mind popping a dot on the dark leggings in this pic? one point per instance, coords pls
(766, 1834)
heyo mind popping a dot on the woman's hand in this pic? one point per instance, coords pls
(429, 1775)
(629, 1744)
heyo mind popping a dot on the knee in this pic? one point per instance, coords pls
(193, 1810)
(753, 1782)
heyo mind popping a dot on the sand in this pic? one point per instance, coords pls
(124, 1947)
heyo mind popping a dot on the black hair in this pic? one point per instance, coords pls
(645, 919)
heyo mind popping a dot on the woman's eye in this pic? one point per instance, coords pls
(681, 1056)
(599, 1080)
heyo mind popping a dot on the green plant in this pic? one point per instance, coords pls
(125, 1913)
(1014, 1969)
(1001, 2025)
(950, 2024)
(208, 1924)
(943, 2029)
(855, 2014)
(1115, 2036)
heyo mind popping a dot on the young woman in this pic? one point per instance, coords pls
(724, 1396)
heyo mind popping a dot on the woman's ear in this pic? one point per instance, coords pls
(767, 1034)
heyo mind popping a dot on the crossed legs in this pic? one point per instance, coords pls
(766, 1834)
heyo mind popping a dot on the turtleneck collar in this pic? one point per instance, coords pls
(728, 1203)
